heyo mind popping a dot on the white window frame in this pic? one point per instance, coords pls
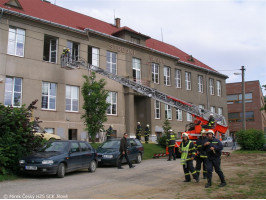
(112, 99)
(94, 56)
(212, 109)
(13, 91)
(188, 80)
(49, 130)
(220, 111)
(200, 83)
(167, 75)
(157, 109)
(72, 97)
(136, 66)
(155, 73)
(211, 85)
(51, 39)
(13, 43)
(189, 117)
(219, 88)
(178, 78)
(74, 53)
(111, 62)
(168, 112)
(49, 95)
(179, 115)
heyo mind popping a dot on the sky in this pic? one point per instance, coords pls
(223, 34)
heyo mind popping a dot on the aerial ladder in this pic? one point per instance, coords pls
(201, 115)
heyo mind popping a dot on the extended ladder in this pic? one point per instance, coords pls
(147, 91)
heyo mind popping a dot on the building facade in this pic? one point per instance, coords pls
(33, 35)
(254, 101)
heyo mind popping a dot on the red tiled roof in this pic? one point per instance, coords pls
(57, 14)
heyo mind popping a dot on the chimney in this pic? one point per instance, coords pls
(117, 22)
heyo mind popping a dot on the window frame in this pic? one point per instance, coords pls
(157, 109)
(219, 88)
(16, 42)
(168, 112)
(188, 80)
(94, 56)
(179, 114)
(200, 83)
(211, 86)
(178, 78)
(74, 52)
(49, 96)
(136, 67)
(50, 38)
(167, 75)
(155, 74)
(110, 63)
(112, 103)
(72, 99)
(13, 92)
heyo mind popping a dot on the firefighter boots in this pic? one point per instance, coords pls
(208, 184)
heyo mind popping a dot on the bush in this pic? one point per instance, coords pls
(162, 140)
(250, 139)
(16, 136)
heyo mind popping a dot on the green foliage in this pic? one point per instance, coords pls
(162, 141)
(166, 126)
(264, 107)
(250, 139)
(95, 104)
(151, 149)
(16, 136)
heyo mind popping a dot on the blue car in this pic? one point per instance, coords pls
(108, 152)
(59, 157)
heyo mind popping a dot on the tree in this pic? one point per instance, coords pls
(16, 136)
(250, 139)
(264, 107)
(166, 128)
(95, 104)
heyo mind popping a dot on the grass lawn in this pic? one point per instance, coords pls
(7, 177)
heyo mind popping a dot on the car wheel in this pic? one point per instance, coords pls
(139, 158)
(61, 170)
(92, 166)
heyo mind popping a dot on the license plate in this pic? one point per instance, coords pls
(30, 167)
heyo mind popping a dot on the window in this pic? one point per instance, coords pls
(219, 88)
(178, 78)
(48, 96)
(237, 98)
(155, 73)
(188, 80)
(74, 50)
(84, 146)
(157, 109)
(49, 130)
(111, 62)
(93, 56)
(74, 147)
(16, 41)
(212, 108)
(211, 86)
(237, 117)
(136, 70)
(72, 98)
(220, 111)
(135, 40)
(189, 117)
(13, 92)
(167, 75)
(50, 49)
(168, 112)
(112, 99)
(179, 115)
(201, 106)
(200, 83)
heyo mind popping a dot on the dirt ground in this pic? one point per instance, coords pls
(245, 175)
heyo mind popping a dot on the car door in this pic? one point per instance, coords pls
(132, 150)
(86, 154)
(75, 155)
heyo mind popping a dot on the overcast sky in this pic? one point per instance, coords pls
(223, 34)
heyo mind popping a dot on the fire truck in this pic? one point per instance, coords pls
(200, 115)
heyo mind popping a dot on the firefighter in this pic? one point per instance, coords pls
(170, 141)
(213, 148)
(201, 156)
(210, 123)
(187, 151)
(138, 131)
(147, 133)
(109, 132)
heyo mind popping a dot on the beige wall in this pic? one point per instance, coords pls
(131, 107)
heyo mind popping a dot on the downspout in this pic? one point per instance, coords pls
(207, 89)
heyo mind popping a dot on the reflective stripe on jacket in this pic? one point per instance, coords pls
(188, 151)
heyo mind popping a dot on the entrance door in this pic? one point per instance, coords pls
(72, 134)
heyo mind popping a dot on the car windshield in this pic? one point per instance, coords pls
(55, 147)
(111, 144)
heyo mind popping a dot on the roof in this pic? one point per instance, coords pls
(56, 14)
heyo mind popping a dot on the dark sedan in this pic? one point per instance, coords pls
(60, 157)
(108, 152)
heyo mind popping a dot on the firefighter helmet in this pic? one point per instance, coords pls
(210, 131)
(185, 135)
(203, 132)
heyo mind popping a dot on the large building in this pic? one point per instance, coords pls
(33, 34)
(254, 101)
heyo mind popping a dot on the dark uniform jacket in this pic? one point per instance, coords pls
(123, 145)
(191, 148)
(199, 144)
(147, 131)
(218, 147)
(171, 140)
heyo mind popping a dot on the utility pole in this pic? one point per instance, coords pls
(243, 99)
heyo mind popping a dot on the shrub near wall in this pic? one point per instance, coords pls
(250, 139)
(16, 136)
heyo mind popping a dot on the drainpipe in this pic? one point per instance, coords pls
(207, 89)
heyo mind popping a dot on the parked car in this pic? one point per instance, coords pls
(108, 152)
(59, 157)
(227, 142)
(47, 136)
